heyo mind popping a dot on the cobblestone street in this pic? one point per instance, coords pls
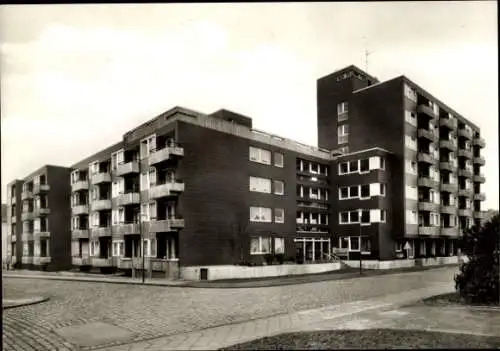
(151, 311)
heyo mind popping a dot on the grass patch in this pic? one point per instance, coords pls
(450, 299)
(369, 339)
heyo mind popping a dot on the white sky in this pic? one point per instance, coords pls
(74, 78)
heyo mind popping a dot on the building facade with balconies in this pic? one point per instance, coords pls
(39, 219)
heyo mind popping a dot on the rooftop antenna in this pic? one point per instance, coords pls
(367, 53)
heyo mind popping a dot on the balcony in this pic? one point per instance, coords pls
(448, 123)
(426, 110)
(41, 260)
(448, 144)
(27, 236)
(427, 134)
(428, 206)
(479, 215)
(465, 133)
(479, 179)
(479, 160)
(465, 192)
(464, 153)
(480, 197)
(13, 238)
(467, 173)
(164, 154)
(448, 209)
(427, 182)
(80, 185)
(430, 231)
(99, 205)
(167, 189)
(98, 232)
(449, 166)
(128, 199)
(80, 261)
(127, 168)
(479, 142)
(426, 158)
(99, 178)
(80, 234)
(101, 262)
(27, 216)
(127, 229)
(39, 188)
(41, 234)
(27, 260)
(42, 211)
(464, 212)
(167, 225)
(26, 194)
(450, 231)
(80, 209)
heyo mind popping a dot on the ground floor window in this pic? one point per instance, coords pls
(366, 245)
(260, 245)
(279, 246)
(118, 249)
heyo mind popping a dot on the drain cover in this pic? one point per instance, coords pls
(93, 334)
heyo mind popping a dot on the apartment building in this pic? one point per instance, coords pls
(397, 175)
(435, 160)
(38, 219)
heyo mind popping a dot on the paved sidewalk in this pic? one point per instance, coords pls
(224, 336)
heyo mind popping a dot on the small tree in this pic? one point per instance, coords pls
(478, 280)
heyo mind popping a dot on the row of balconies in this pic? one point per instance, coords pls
(37, 189)
(35, 260)
(155, 226)
(37, 212)
(431, 159)
(463, 212)
(33, 236)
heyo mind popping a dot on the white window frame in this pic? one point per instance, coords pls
(260, 251)
(281, 245)
(257, 155)
(117, 248)
(279, 219)
(350, 244)
(259, 185)
(259, 212)
(342, 108)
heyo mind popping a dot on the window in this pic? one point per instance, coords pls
(279, 245)
(344, 217)
(121, 215)
(260, 245)
(364, 166)
(411, 142)
(353, 191)
(144, 181)
(342, 108)
(344, 149)
(260, 155)
(145, 212)
(411, 118)
(354, 217)
(365, 191)
(382, 163)
(278, 159)
(152, 176)
(398, 246)
(260, 214)
(279, 215)
(366, 245)
(94, 248)
(353, 166)
(148, 145)
(382, 189)
(118, 248)
(343, 133)
(382, 216)
(410, 93)
(279, 187)
(261, 185)
(365, 216)
(354, 243)
(344, 243)
(343, 168)
(344, 193)
(94, 167)
(152, 210)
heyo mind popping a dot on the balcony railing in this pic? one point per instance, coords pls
(80, 233)
(102, 204)
(464, 153)
(27, 236)
(39, 188)
(425, 157)
(98, 178)
(428, 230)
(427, 206)
(465, 133)
(80, 209)
(479, 179)
(127, 229)
(101, 262)
(41, 234)
(448, 122)
(427, 110)
(448, 144)
(160, 155)
(167, 189)
(127, 168)
(464, 212)
(128, 199)
(449, 209)
(98, 232)
(38, 260)
(480, 197)
(80, 261)
(453, 231)
(80, 185)
(27, 216)
(27, 260)
(167, 225)
(465, 192)
(41, 211)
(465, 173)
(427, 182)
(479, 160)
(449, 166)
(479, 142)
(427, 134)
(449, 188)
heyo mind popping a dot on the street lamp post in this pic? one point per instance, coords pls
(142, 245)
(360, 258)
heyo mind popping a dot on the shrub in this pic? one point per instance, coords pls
(478, 280)
(280, 258)
(269, 259)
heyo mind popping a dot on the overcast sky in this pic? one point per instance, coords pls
(74, 78)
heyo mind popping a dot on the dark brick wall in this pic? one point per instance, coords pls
(19, 224)
(59, 202)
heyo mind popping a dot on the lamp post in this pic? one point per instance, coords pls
(143, 248)
(360, 258)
